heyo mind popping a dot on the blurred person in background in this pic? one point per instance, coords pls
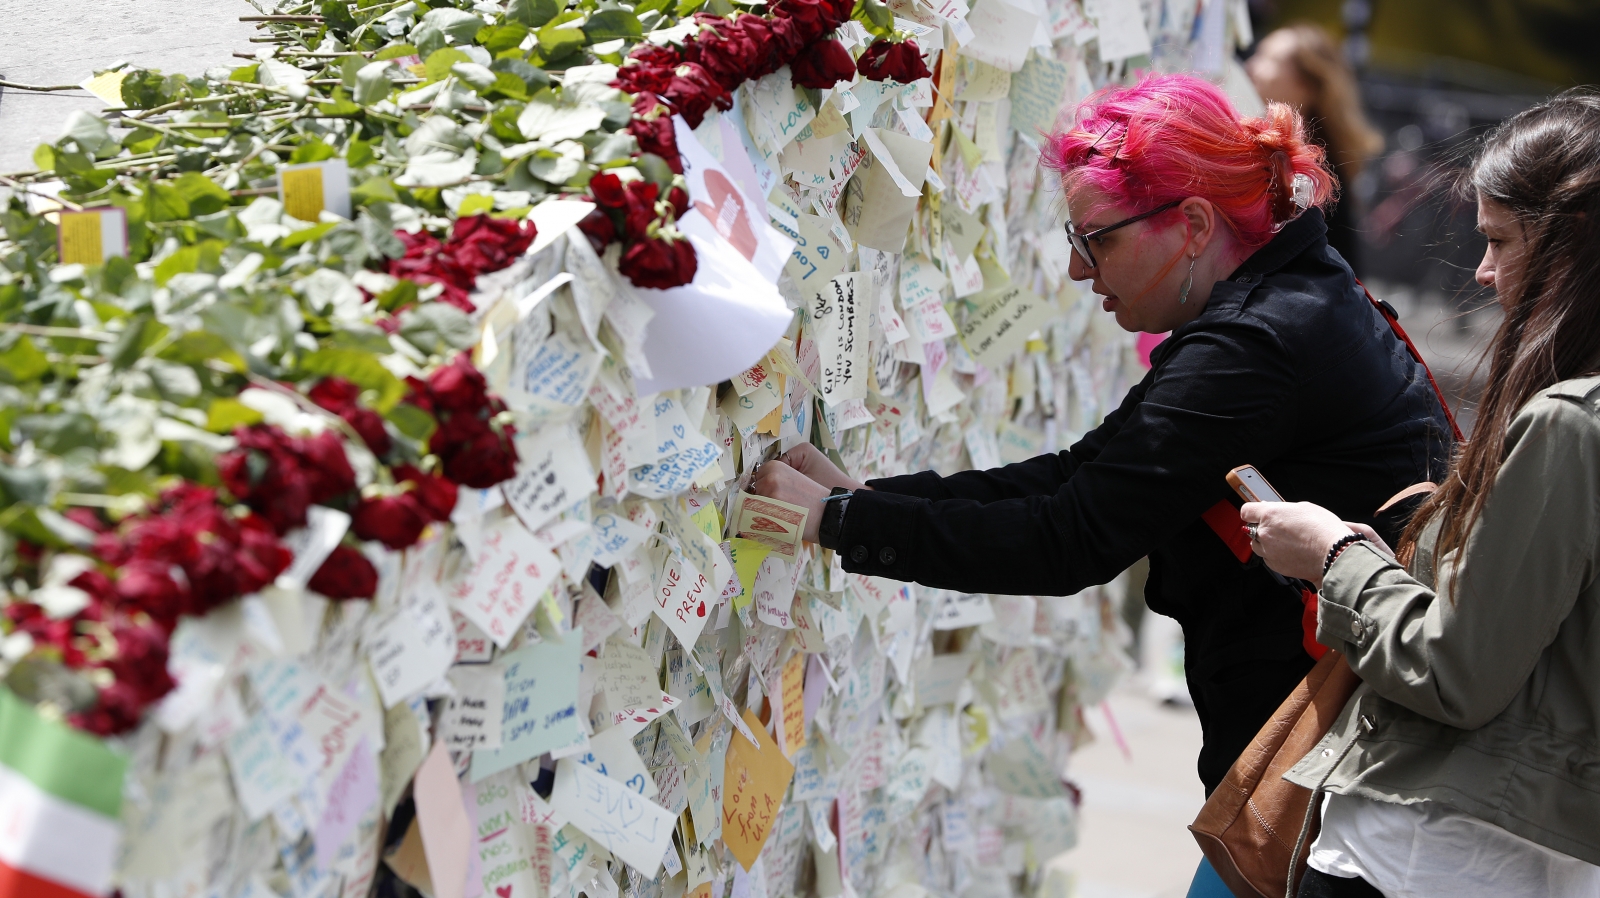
(1301, 65)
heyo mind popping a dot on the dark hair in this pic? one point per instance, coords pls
(1542, 164)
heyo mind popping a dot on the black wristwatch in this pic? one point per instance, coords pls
(832, 523)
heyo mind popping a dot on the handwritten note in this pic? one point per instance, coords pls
(541, 706)
(353, 794)
(792, 702)
(1001, 322)
(413, 647)
(683, 598)
(632, 827)
(552, 474)
(838, 313)
(471, 717)
(755, 778)
(512, 570)
(1037, 92)
(558, 371)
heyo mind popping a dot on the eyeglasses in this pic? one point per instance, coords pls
(1080, 242)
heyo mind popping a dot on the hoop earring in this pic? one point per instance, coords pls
(1188, 282)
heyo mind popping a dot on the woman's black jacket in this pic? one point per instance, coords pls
(1289, 368)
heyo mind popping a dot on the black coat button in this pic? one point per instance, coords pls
(886, 555)
(859, 554)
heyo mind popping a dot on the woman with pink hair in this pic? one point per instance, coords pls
(1190, 218)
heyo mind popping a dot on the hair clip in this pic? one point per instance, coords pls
(1302, 187)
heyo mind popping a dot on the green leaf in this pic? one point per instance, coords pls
(532, 13)
(114, 275)
(245, 73)
(202, 193)
(440, 61)
(503, 37)
(22, 362)
(360, 368)
(227, 413)
(507, 85)
(437, 328)
(475, 203)
(29, 486)
(458, 25)
(395, 51)
(359, 153)
(372, 82)
(312, 151)
(44, 157)
(336, 14)
(610, 24)
(306, 235)
(374, 190)
(199, 347)
(182, 261)
(399, 296)
(140, 334)
(163, 202)
(49, 528)
(556, 40)
(412, 421)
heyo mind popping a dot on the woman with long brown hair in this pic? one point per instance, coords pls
(1301, 65)
(1468, 764)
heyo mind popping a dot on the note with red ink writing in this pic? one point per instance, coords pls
(627, 824)
(541, 705)
(353, 794)
(772, 523)
(512, 570)
(683, 598)
(754, 780)
(791, 694)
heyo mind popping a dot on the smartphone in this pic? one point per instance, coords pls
(1248, 483)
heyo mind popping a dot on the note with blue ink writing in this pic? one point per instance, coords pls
(626, 823)
(541, 706)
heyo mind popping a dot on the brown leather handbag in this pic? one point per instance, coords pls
(1256, 821)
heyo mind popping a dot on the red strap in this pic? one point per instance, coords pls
(1308, 626)
(1224, 521)
(1394, 325)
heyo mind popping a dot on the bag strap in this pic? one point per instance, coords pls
(1389, 315)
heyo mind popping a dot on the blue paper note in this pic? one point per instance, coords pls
(541, 708)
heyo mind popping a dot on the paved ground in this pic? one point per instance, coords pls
(64, 41)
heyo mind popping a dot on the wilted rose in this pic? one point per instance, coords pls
(822, 65)
(346, 574)
(888, 60)
(659, 262)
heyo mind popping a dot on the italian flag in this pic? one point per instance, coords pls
(60, 806)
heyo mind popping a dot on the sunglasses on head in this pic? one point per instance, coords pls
(1080, 242)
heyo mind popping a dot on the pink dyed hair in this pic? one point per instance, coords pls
(1174, 136)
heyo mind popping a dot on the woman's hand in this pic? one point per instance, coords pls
(810, 461)
(776, 480)
(1293, 538)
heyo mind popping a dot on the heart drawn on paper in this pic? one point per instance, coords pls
(762, 522)
(503, 891)
(677, 430)
(701, 611)
(727, 214)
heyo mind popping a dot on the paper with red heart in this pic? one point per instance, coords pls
(683, 598)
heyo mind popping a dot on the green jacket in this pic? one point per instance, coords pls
(1489, 703)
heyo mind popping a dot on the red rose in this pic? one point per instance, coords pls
(483, 459)
(480, 244)
(597, 226)
(693, 91)
(117, 710)
(141, 661)
(661, 55)
(812, 18)
(727, 51)
(146, 584)
(639, 75)
(86, 517)
(323, 455)
(679, 198)
(839, 11)
(659, 262)
(347, 574)
(261, 557)
(822, 65)
(608, 190)
(436, 494)
(266, 475)
(342, 397)
(641, 208)
(458, 386)
(888, 60)
(787, 40)
(396, 521)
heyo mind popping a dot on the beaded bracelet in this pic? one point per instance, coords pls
(1340, 545)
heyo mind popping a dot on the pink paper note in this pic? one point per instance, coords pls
(352, 794)
(446, 829)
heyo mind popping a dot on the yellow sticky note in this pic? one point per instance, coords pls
(302, 192)
(753, 784)
(793, 696)
(107, 86)
(91, 236)
(774, 419)
(747, 557)
(709, 522)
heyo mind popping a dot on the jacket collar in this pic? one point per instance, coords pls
(1296, 236)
